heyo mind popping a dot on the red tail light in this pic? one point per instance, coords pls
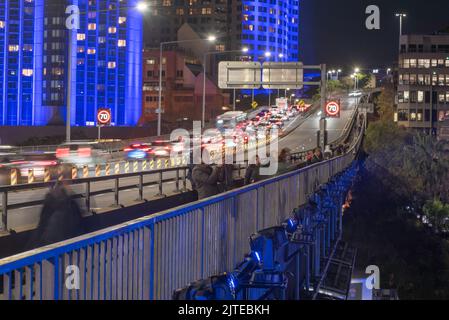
(84, 152)
(63, 152)
(128, 149)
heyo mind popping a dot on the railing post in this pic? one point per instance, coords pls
(116, 191)
(161, 193)
(184, 180)
(177, 181)
(4, 225)
(87, 196)
(140, 187)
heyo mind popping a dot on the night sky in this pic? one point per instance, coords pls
(334, 32)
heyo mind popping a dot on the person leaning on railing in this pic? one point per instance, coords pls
(205, 178)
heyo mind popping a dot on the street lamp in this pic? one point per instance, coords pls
(401, 16)
(338, 73)
(159, 108)
(292, 96)
(141, 6)
(203, 117)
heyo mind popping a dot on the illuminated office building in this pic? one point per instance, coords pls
(423, 83)
(260, 25)
(21, 44)
(106, 61)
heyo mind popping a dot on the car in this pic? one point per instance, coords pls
(161, 149)
(82, 153)
(138, 150)
(37, 161)
(276, 123)
(211, 137)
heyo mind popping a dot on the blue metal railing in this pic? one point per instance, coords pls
(148, 258)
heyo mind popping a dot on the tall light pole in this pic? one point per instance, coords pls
(267, 56)
(159, 104)
(203, 113)
(338, 73)
(141, 6)
(401, 16)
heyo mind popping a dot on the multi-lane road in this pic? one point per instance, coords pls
(302, 137)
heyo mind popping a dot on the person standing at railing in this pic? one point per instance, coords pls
(205, 178)
(252, 173)
(309, 157)
(327, 152)
(317, 156)
(283, 163)
(60, 219)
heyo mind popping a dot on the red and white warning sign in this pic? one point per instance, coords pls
(104, 117)
(333, 109)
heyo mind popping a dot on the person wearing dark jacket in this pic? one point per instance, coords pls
(283, 164)
(317, 156)
(252, 173)
(205, 178)
(60, 219)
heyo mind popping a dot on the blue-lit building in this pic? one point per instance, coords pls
(109, 62)
(21, 45)
(270, 26)
(260, 25)
(106, 61)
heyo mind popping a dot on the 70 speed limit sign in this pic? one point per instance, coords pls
(104, 117)
(333, 109)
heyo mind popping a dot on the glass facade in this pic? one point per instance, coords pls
(271, 26)
(106, 61)
(21, 31)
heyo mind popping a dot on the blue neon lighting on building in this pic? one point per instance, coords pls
(109, 62)
(107, 66)
(271, 26)
(21, 40)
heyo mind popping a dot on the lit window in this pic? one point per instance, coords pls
(27, 72)
(13, 47)
(420, 96)
(121, 43)
(81, 36)
(111, 65)
(91, 51)
(112, 30)
(2, 24)
(121, 20)
(92, 26)
(28, 47)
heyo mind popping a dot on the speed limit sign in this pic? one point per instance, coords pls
(333, 109)
(104, 117)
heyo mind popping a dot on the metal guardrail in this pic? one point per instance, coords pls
(59, 172)
(150, 257)
(159, 168)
